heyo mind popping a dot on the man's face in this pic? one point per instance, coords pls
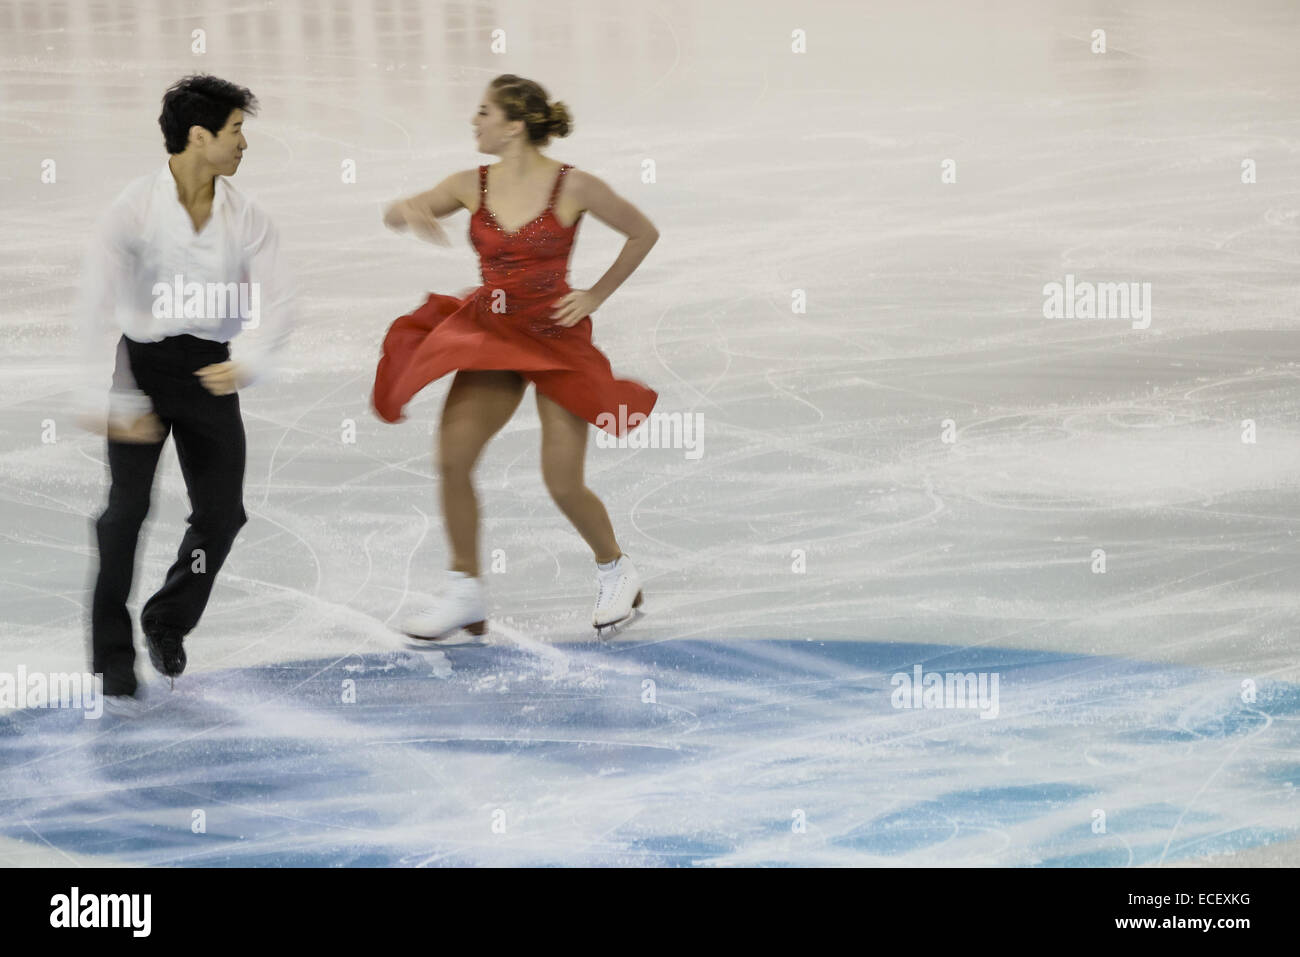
(224, 151)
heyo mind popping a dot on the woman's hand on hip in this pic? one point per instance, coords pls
(574, 307)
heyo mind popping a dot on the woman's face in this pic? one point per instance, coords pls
(491, 128)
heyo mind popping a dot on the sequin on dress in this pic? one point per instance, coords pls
(505, 323)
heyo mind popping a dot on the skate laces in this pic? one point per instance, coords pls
(608, 582)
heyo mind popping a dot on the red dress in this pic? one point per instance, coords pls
(506, 324)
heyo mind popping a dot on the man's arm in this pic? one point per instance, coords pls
(108, 394)
(261, 342)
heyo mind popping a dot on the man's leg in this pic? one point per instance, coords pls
(210, 445)
(117, 530)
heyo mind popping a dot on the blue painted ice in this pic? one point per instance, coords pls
(519, 753)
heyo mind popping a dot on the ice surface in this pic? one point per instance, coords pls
(527, 753)
(774, 172)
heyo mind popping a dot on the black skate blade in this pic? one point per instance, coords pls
(615, 628)
(453, 639)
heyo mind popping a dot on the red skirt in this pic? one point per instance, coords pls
(446, 334)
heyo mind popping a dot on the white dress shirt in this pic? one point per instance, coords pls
(144, 242)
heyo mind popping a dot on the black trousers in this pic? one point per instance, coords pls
(209, 436)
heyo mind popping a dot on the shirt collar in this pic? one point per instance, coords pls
(167, 182)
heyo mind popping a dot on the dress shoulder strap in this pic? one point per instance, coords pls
(559, 181)
(482, 182)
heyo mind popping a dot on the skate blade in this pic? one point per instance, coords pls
(475, 634)
(614, 628)
(449, 641)
(610, 629)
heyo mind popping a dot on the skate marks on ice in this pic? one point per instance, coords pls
(676, 753)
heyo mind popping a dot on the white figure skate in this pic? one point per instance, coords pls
(618, 592)
(460, 606)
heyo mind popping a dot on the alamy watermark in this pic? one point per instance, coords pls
(953, 689)
(1100, 300)
(179, 299)
(52, 689)
(130, 911)
(662, 430)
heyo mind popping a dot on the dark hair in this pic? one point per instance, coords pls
(200, 100)
(525, 100)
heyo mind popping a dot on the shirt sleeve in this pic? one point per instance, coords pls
(108, 391)
(260, 347)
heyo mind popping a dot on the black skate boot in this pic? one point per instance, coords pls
(166, 653)
(120, 682)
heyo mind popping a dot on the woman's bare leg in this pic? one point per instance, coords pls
(478, 405)
(564, 451)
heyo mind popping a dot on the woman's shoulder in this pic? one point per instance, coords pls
(581, 185)
(464, 185)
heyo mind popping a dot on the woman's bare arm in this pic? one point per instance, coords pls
(422, 211)
(595, 196)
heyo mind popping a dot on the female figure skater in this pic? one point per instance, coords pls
(523, 324)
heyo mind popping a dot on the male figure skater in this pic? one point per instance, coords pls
(179, 265)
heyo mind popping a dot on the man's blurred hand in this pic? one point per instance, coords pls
(147, 430)
(222, 378)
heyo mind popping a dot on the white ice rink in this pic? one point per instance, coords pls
(1146, 715)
